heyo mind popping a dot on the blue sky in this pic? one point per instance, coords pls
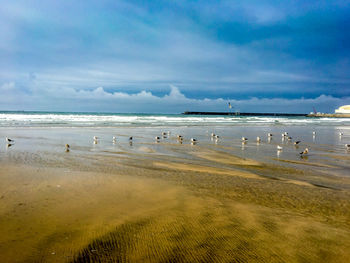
(172, 56)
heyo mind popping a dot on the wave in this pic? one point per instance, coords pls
(115, 120)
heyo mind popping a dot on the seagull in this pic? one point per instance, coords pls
(164, 134)
(114, 139)
(285, 133)
(258, 139)
(340, 133)
(347, 146)
(279, 148)
(244, 139)
(297, 142)
(193, 140)
(269, 135)
(217, 136)
(9, 140)
(212, 134)
(95, 138)
(306, 151)
(157, 138)
(179, 137)
(313, 133)
(67, 147)
(130, 138)
(289, 138)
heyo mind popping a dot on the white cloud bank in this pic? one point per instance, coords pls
(69, 99)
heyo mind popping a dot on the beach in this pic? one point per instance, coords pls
(147, 201)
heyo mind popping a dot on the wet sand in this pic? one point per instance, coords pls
(170, 202)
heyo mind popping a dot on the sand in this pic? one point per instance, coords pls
(167, 202)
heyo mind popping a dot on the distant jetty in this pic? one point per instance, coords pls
(244, 114)
(329, 115)
(315, 115)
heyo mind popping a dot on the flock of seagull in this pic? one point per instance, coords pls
(180, 138)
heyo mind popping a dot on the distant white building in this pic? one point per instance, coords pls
(343, 109)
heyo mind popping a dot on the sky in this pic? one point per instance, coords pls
(172, 56)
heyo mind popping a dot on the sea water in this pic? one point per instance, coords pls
(70, 119)
(42, 132)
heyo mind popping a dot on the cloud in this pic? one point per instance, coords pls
(209, 49)
(7, 87)
(98, 99)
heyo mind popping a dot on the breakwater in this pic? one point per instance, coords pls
(245, 114)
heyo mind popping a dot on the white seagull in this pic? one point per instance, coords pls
(258, 139)
(244, 139)
(269, 135)
(279, 148)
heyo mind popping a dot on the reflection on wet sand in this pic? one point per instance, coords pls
(168, 202)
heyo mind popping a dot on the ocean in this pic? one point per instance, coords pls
(83, 119)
